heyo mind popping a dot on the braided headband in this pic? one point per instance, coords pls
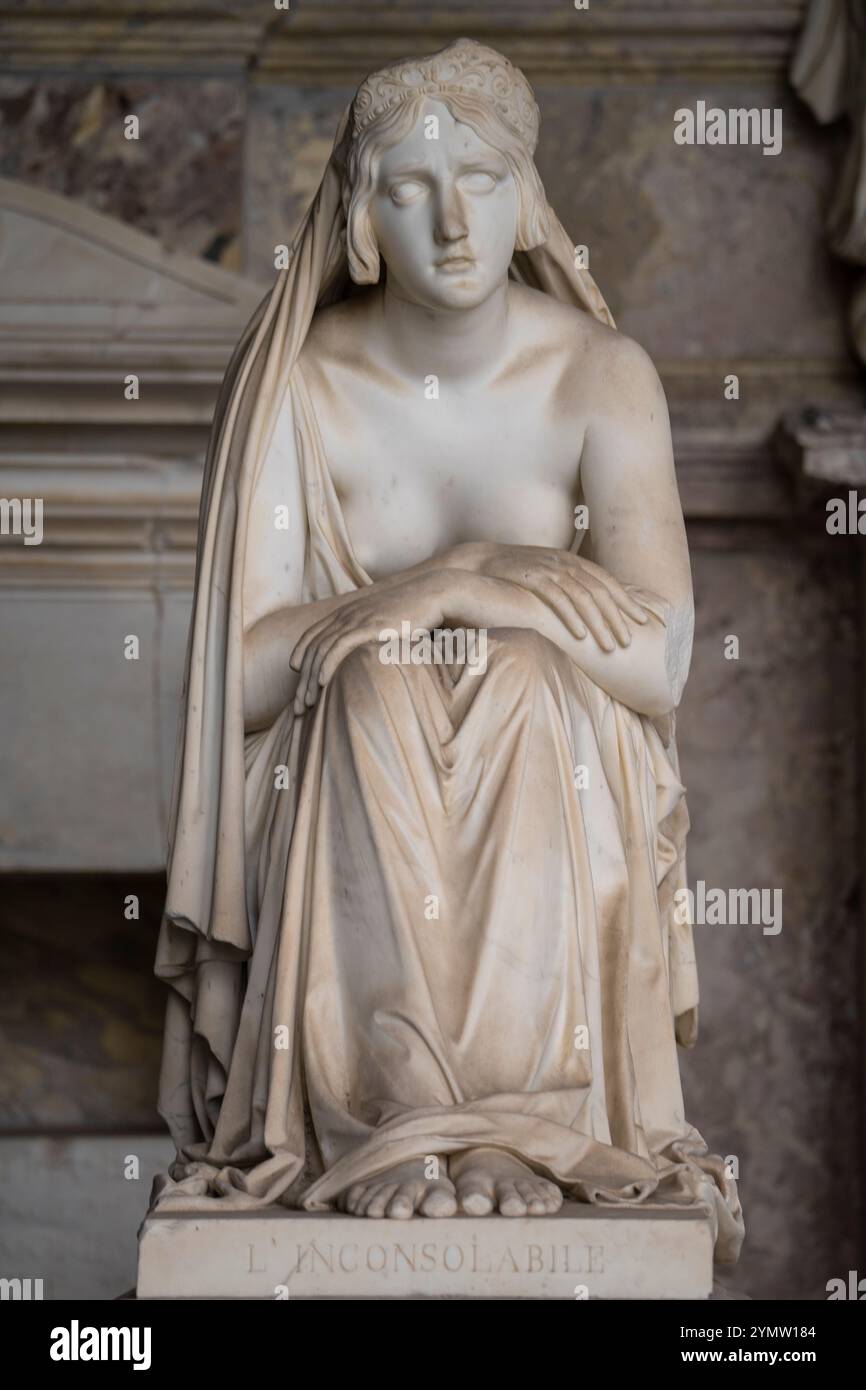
(464, 68)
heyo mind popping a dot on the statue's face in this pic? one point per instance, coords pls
(444, 213)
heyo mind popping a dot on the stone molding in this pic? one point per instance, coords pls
(337, 42)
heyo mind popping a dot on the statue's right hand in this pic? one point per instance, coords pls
(370, 612)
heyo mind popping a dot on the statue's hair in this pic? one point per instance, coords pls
(392, 126)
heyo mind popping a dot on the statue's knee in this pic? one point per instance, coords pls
(359, 662)
(521, 653)
(363, 670)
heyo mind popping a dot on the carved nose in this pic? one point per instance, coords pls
(451, 220)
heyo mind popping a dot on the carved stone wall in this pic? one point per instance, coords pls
(111, 351)
(713, 257)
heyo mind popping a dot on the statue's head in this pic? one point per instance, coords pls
(440, 181)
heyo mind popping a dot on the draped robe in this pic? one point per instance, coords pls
(324, 1022)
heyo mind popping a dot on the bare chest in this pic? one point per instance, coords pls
(418, 472)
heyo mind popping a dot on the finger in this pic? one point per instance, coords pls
(299, 651)
(308, 689)
(312, 634)
(582, 601)
(546, 589)
(650, 602)
(308, 682)
(309, 700)
(323, 646)
(303, 680)
(333, 633)
(595, 620)
(299, 702)
(555, 596)
(302, 697)
(623, 599)
(338, 652)
(296, 660)
(601, 605)
(304, 677)
(613, 615)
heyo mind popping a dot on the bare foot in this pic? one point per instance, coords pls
(489, 1180)
(400, 1192)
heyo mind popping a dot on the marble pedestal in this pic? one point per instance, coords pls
(653, 1252)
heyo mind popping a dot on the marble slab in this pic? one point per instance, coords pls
(583, 1252)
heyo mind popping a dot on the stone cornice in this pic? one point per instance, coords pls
(129, 37)
(628, 42)
(339, 42)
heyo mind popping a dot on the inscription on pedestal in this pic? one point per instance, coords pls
(431, 1256)
(580, 1253)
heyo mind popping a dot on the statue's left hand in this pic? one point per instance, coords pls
(600, 602)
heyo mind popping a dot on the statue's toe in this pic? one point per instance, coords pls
(368, 1196)
(351, 1197)
(440, 1201)
(531, 1195)
(476, 1194)
(403, 1202)
(381, 1200)
(509, 1200)
(551, 1194)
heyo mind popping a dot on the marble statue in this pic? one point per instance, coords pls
(420, 938)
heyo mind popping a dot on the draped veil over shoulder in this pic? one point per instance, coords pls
(289, 1069)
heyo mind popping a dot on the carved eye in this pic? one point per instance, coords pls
(479, 181)
(406, 192)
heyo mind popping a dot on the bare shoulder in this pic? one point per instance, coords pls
(338, 333)
(624, 372)
(601, 362)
